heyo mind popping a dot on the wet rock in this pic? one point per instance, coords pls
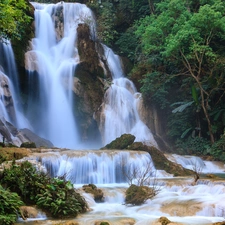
(164, 220)
(121, 142)
(97, 193)
(137, 195)
(28, 212)
(88, 86)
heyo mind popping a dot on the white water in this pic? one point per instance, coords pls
(121, 100)
(178, 199)
(57, 61)
(7, 62)
(197, 164)
(97, 166)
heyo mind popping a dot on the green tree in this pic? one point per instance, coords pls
(13, 18)
(188, 37)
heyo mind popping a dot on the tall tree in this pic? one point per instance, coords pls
(189, 36)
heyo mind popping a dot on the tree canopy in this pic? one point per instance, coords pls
(182, 45)
(14, 18)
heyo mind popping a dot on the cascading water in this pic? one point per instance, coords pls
(97, 167)
(9, 79)
(121, 100)
(57, 57)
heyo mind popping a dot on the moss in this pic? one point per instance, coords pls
(97, 193)
(160, 160)
(137, 195)
(121, 142)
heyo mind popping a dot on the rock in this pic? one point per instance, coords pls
(97, 193)
(164, 220)
(32, 137)
(88, 88)
(121, 142)
(28, 212)
(6, 97)
(31, 61)
(13, 136)
(219, 223)
(137, 195)
(160, 160)
(102, 223)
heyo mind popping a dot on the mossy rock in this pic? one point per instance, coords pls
(137, 195)
(121, 142)
(102, 223)
(96, 192)
(164, 221)
(160, 160)
(28, 145)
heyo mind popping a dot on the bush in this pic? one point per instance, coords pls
(9, 206)
(55, 195)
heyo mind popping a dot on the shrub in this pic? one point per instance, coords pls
(9, 206)
(55, 195)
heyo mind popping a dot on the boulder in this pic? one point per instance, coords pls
(28, 212)
(121, 142)
(97, 193)
(137, 195)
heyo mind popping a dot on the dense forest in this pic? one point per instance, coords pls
(176, 55)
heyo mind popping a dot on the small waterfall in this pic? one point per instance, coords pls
(96, 166)
(9, 88)
(121, 100)
(51, 65)
(197, 164)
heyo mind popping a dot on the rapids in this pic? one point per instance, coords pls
(178, 199)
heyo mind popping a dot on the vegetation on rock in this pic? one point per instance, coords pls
(160, 160)
(54, 195)
(121, 142)
(137, 195)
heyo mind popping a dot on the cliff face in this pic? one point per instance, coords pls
(88, 82)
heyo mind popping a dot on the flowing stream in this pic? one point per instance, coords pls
(177, 199)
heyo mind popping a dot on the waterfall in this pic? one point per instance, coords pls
(9, 89)
(96, 166)
(51, 64)
(121, 101)
(197, 164)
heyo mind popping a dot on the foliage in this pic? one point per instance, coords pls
(182, 46)
(13, 18)
(194, 145)
(9, 206)
(106, 23)
(55, 195)
(127, 48)
(218, 149)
